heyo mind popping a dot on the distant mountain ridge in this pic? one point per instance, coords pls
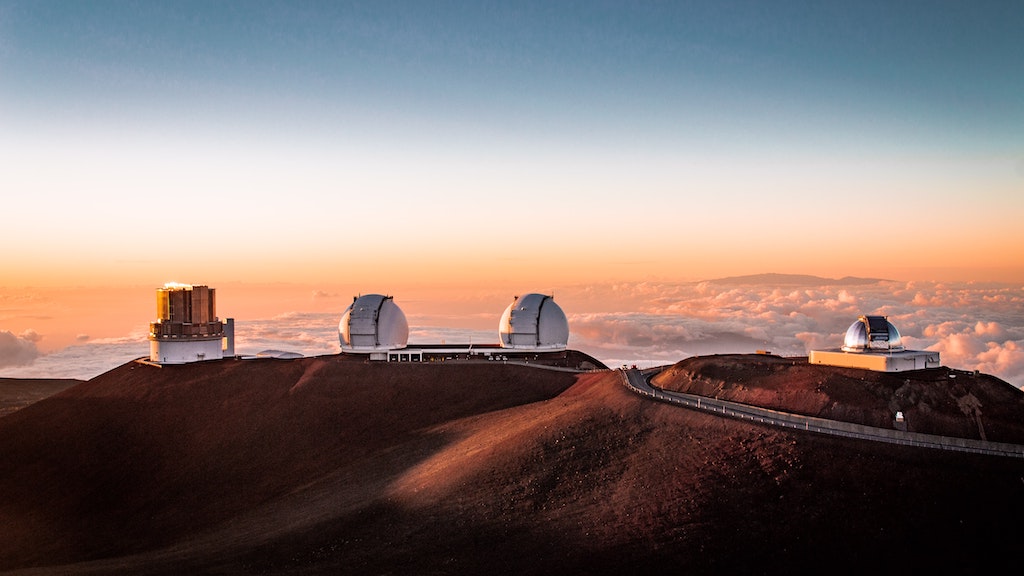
(776, 279)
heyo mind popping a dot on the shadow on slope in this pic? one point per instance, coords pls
(143, 457)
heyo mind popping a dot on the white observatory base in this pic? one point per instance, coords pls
(900, 361)
(185, 350)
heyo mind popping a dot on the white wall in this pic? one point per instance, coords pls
(877, 361)
(182, 351)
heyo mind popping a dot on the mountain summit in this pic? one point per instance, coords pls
(775, 279)
(328, 465)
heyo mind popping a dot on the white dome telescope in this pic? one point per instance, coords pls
(534, 322)
(872, 333)
(373, 323)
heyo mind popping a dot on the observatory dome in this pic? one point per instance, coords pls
(872, 333)
(534, 322)
(373, 323)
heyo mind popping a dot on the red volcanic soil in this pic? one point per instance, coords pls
(16, 393)
(935, 401)
(319, 465)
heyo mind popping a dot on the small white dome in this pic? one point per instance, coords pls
(870, 333)
(372, 323)
(534, 322)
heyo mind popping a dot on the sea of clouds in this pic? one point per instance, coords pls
(973, 326)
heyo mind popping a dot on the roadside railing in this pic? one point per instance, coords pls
(636, 381)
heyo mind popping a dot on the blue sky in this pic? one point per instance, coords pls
(482, 125)
(743, 137)
(610, 67)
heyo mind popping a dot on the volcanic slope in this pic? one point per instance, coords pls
(16, 393)
(320, 465)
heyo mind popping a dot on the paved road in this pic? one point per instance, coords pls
(639, 382)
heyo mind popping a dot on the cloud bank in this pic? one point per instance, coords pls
(18, 350)
(973, 326)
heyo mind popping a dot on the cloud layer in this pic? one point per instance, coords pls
(973, 326)
(18, 350)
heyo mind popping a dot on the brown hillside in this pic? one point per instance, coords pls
(319, 465)
(935, 401)
(16, 393)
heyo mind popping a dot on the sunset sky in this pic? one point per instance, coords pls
(491, 148)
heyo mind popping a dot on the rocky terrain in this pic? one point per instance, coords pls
(322, 465)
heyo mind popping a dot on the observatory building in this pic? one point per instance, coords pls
(533, 329)
(533, 322)
(187, 328)
(873, 343)
(373, 324)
